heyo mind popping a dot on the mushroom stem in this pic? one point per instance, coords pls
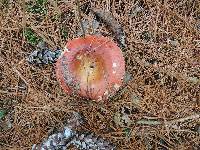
(79, 17)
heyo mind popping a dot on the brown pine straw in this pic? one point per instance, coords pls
(162, 55)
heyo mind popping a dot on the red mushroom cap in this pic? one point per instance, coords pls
(92, 67)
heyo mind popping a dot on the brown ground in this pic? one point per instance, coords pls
(158, 108)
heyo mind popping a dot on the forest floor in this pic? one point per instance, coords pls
(157, 108)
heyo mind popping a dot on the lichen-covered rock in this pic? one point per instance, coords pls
(82, 141)
(69, 136)
(43, 55)
(91, 142)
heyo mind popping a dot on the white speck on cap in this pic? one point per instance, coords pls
(114, 65)
(63, 52)
(114, 71)
(99, 98)
(116, 86)
(66, 49)
(79, 57)
(106, 92)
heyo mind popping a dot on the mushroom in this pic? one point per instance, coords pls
(92, 67)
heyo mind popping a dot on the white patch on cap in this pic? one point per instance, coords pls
(106, 92)
(114, 71)
(66, 49)
(99, 98)
(62, 53)
(114, 65)
(116, 86)
(79, 57)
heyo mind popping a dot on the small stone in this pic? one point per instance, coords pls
(39, 55)
(87, 140)
(52, 55)
(78, 143)
(81, 137)
(83, 145)
(68, 132)
(43, 56)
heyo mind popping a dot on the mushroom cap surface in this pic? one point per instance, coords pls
(92, 67)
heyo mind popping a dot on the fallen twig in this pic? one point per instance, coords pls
(108, 19)
(192, 117)
(167, 123)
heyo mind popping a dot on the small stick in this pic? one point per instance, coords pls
(107, 18)
(192, 117)
(167, 123)
(148, 122)
(79, 17)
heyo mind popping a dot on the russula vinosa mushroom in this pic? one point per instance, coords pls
(92, 67)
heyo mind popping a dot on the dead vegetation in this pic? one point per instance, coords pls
(158, 108)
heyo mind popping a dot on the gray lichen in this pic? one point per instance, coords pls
(69, 136)
(43, 55)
